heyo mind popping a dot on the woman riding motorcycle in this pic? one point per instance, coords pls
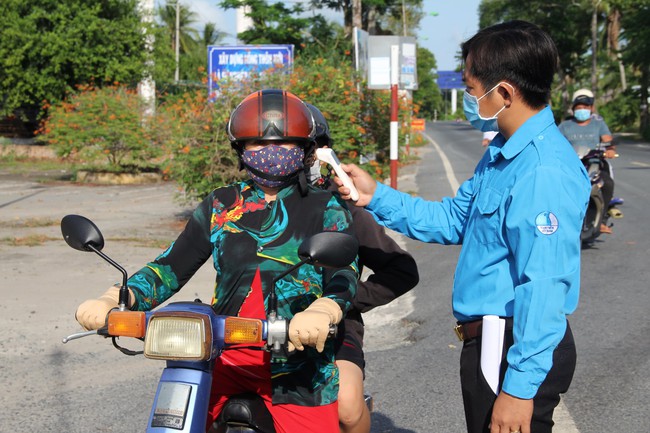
(252, 230)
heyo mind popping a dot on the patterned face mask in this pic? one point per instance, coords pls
(272, 166)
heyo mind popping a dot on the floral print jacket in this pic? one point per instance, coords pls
(244, 233)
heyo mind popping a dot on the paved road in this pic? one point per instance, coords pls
(87, 386)
(417, 385)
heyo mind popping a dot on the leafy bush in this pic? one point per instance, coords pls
(199, 156)
(50, 46)
(189, 131)
(331, 85)
(194, 133)
(622, 112)
(359, 118)
(101, 128)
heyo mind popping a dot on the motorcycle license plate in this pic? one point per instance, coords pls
(171, 406)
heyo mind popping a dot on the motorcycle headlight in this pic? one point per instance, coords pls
(178, 336)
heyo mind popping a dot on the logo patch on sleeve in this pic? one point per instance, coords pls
(546, 223)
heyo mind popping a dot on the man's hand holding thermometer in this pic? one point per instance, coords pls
(354, 183)
(328, 156)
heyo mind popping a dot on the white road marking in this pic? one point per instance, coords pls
(449, 170)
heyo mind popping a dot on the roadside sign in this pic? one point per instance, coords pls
(379, 52)
(241, 61)
(417, 124)
(450, 80)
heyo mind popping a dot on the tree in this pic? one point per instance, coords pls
(428, 96)
(637, 34)
(211, 35)
(407, 21)
(48, 47)
(568, 23)
(375, 16)
(601, 43)
(186, 18)
(272, 24)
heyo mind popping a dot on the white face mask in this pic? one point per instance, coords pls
(472, 111)
(314, 174)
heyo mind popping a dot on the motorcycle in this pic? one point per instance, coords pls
(189, 336)
(594, 161)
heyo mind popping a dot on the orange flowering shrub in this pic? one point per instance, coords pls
(189, 127)
(101, 128)
(193, 130)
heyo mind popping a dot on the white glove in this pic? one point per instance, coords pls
(311, 326)
(91, 314)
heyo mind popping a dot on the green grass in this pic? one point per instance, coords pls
(29, 223)
(35, 240)
(40, 169)
(27, 241)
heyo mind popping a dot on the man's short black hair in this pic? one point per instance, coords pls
(518, 52)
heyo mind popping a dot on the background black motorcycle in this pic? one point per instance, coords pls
(598, 212)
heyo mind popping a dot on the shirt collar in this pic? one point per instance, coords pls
(284, 192)
(532, 128)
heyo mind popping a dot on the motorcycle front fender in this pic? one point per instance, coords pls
(181, 402)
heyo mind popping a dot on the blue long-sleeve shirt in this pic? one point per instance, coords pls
(519, 220)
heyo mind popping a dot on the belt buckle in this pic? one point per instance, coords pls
(458, 329)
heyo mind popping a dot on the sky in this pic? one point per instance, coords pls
(456, 21)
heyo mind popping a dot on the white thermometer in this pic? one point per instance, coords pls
(328, 156)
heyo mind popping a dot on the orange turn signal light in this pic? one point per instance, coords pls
(239, 330)
(127, 324)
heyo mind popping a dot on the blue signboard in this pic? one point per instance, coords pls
(450, 80)
(239, 62)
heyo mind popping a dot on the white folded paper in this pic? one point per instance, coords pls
(491, 349)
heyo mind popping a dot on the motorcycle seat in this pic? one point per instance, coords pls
(244, 413)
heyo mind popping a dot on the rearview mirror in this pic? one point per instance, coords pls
(329, 249)
(79, 232)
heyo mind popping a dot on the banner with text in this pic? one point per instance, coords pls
(239, 62)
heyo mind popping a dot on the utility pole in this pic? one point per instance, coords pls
(147, 86)
(594, 47)
(243, 21)
(394, 105)
(357, 10)
(177, 37)
(404, 18)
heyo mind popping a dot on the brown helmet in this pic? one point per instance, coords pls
(272, 114)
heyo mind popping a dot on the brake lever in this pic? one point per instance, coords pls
(103, 331)
(79, 335)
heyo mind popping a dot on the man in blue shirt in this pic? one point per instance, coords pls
(519, 220)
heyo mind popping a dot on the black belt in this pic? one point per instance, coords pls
(470, 330)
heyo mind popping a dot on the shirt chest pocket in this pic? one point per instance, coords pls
(487, 224)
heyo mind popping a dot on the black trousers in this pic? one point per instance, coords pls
(478, 397)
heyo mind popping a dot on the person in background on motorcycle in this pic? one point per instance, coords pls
(585, 129)
(252, 230)
(394, 273)
(518, 220)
